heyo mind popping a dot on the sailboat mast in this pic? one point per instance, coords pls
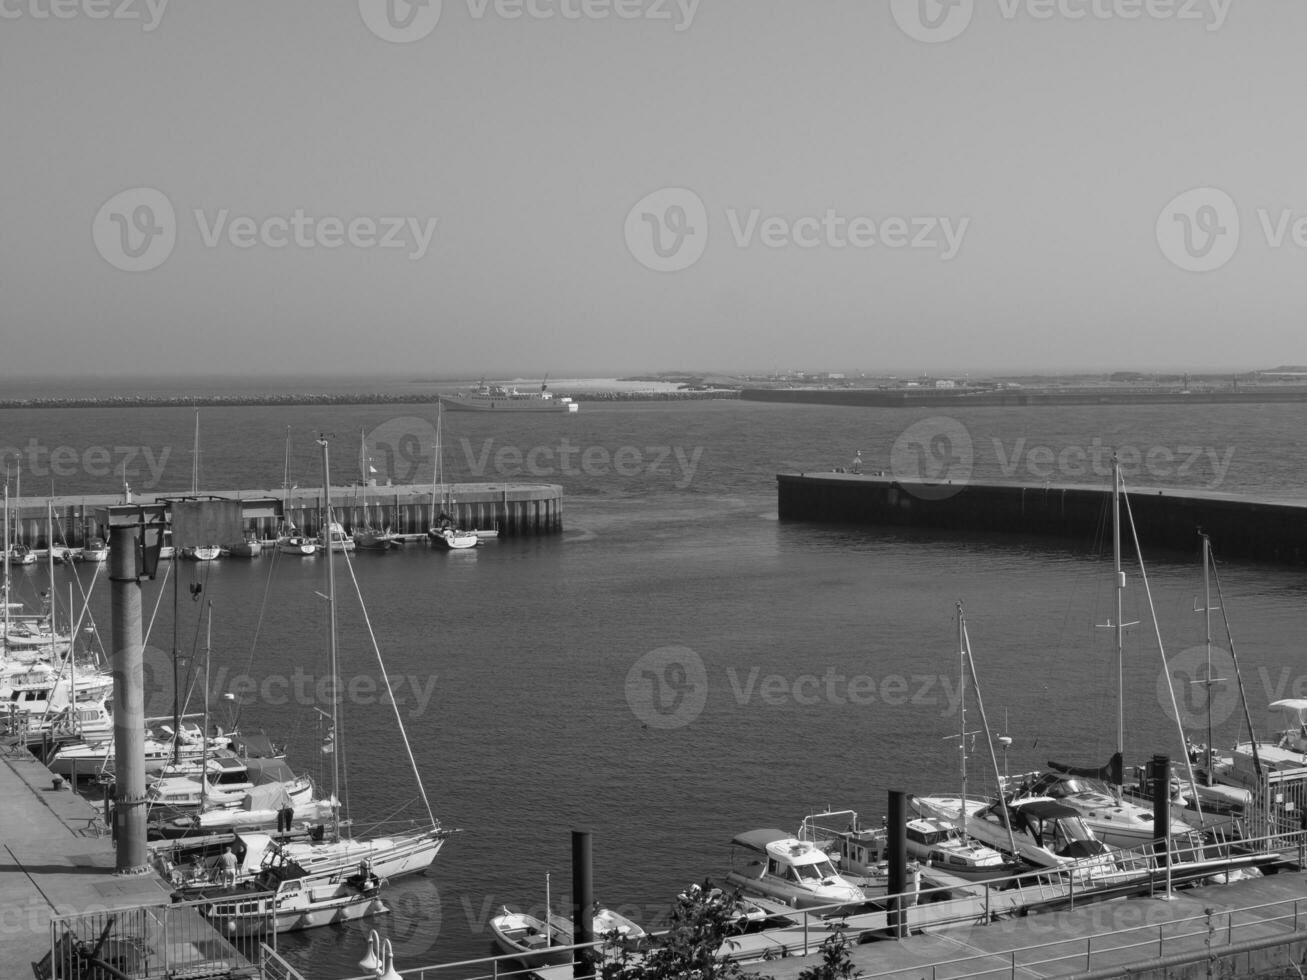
(6, 555)
(331, 629)
(1207, 640)
(204, 732)
(1120, 602)
(195, 458)
(984, 721)
(962, 708)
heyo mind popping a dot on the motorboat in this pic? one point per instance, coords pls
(1116, 821)
(941, 845)
(94, 550)
(288, 899)
(340, 541)
(453, 538)
(292, 542)
(794, 872)
(21, 554)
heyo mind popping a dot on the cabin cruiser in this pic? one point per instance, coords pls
(1117, 822)
(790, 871)
(1045, 832)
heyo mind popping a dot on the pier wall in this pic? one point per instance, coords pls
(1243, 527)
(962, 398)
(512, 509)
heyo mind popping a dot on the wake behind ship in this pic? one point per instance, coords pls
(498, 398)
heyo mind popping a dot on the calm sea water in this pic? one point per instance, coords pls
(550, 684)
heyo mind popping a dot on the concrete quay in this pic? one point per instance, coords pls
(1261, 529)
(58, 860)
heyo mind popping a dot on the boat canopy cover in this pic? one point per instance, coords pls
(269, 771)
(255, 746)
(269, 796)
(1291, 704)
(759, 839)
(1046, 809)
(1110, 773)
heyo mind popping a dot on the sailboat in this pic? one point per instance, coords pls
(1039, 830)
(199, 552)
(289, 539)
(444, 532)
(367, 535)
(312, 883)
(1098, 794)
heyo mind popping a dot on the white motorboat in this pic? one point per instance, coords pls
(790, 871)
(340, 541)
(453, 539)
(94, 550)
(938, 844)
(202, 552)
(293, 543)
(287, 900)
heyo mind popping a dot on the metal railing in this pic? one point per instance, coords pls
(174, 941)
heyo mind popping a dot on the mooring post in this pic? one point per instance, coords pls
(583, 928)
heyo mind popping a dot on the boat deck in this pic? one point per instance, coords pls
(58, 860)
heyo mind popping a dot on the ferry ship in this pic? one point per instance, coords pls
(499, 398)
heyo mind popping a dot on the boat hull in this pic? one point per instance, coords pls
(507, 403)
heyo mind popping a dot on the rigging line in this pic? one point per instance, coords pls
(1170, 684)
(258, 626)
(157, 602)
(1238, 675)
(399, 720)
(86, 609)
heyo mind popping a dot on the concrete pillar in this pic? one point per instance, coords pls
(128, 702)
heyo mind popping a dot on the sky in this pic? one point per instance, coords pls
(523, 187)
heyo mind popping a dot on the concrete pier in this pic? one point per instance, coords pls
(514, 509)
(58, 860)
(1244, 527)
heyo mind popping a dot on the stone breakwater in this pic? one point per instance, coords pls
(337, 398)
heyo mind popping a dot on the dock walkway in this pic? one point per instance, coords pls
(57, 860)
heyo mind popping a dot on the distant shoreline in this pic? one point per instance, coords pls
(1021, 397)
(329, 398)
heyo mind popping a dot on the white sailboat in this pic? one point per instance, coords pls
(210, 550)
(307, 884)
(290, 541)
(443, 531)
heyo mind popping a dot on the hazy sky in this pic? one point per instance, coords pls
(574, 186)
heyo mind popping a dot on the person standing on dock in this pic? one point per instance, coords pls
(228, 867)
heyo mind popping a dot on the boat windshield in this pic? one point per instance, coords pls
(1070, 829)
(815, 871)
